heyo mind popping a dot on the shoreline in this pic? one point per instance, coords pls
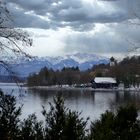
(84, 88)
(67, 87)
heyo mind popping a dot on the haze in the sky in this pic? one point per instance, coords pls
(59, 27)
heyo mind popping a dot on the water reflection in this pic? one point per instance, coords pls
(92, 104)
(82, 101)
(125, 98)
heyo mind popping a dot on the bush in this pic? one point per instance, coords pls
(31, 129)
(63, 124)
(9, 117)
(120, 126)
(11, 127)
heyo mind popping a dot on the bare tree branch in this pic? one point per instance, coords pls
(13, 41)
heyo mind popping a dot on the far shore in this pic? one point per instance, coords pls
(84, 88)
(67, 87)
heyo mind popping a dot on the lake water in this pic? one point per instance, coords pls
(92, 104)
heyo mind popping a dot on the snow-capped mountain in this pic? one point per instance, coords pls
(86, 57)
(84, 61)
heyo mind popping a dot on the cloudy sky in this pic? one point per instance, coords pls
(59, 27)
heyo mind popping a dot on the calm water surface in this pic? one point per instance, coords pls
(91, 104)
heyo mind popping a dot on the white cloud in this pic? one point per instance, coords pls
(47, 42)
(67, 26)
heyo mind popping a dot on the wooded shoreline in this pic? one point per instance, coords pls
(84, 88)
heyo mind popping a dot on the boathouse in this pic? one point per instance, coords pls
(104, 82)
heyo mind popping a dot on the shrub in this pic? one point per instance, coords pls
(120, 126)
(62, 123)
(31, 129)
(9, 117)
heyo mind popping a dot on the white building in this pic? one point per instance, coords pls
(104, 82)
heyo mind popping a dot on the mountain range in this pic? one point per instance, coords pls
(24, 67)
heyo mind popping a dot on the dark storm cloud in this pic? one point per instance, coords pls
(23, 19)
(82, 17)
(75, 13)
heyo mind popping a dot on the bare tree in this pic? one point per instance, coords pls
(13, 41)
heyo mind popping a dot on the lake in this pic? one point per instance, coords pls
(92, 104)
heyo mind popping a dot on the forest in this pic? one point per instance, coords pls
(66, 76)
(126, 71)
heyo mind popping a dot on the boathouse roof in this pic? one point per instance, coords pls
(105, 80)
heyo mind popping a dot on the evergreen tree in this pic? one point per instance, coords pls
(9, 117)
(122, 125)
(62, 123)
(31, 129)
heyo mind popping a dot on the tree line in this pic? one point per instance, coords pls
(126, 71)
(66, 76)
(61, 123)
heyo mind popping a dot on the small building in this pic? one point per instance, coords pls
(104, 82)
(112, 61)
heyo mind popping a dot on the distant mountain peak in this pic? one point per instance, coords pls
(85, 57)
(83, 60)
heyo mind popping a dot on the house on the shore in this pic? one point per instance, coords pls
(104, 82)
